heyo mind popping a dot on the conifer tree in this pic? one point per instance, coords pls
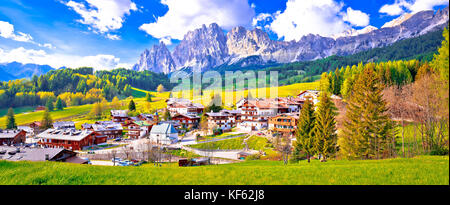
(305, 130)
(10, 120)
(325, 137)
(132, 106)
(59, 104)
(49, 104)
(367, 129)
(46, 121)
(148, 97)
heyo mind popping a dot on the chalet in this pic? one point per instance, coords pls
(138, 129)
(222, 120)
(149, 117)
(256, 112)
(107, 129)
(184, 106)
(36, 127)
(67, 138)
(64, 125)
(284, 123)
(313, 94)
(120, 116)
(164, 133)
(12, 137)
(40, 108)
(40, 154)
(187, 120)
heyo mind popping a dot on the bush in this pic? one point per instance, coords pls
(440, 151)
(253, 157)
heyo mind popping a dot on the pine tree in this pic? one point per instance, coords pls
(325, 137)
(132, 106)
(305, 130)
(148, 97)
(59, 104)
(46, 121)
(10, 120)
(367, 129)
(49, 104)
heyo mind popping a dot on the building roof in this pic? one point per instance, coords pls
(119, 113)
(217, 114)
(7, 134)
(65, 124)
(164, 128)
(38, 154)
(107, 127)
(188, 116)
(65, 134)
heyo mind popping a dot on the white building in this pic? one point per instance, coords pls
(164, 134)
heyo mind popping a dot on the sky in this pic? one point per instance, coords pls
(107, 34)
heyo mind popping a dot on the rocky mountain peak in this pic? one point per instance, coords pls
(208, 46)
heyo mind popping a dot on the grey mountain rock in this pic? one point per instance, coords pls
(208, 47)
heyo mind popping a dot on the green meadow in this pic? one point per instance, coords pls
(422, 170)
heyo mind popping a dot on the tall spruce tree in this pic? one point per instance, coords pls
(368, 130)
(49, 104)
(132, 106)
(10, 120)
(325, 137)
(148, 97)
(46, 121)
(305, 130)
(59, 104)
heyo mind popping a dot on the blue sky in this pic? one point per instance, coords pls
(112, 33)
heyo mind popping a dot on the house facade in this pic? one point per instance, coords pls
(71, 139)
(187, 120)
(284, 123)
(12, 137)
(119, 116)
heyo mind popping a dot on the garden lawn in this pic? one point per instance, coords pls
(426, 170)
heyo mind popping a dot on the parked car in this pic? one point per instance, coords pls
(116, 159)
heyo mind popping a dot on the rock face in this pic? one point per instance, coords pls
(158, 59)
(208, 47)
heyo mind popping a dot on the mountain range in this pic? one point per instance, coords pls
(208, 47)
(15, 70)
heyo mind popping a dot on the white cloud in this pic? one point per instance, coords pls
(167, 41)
(187, 15)
(261, 18)
(7, 31)
(356, 17)
(402, 6)
(98, 62)
(103, 15)
(112, 37)
(322, 17)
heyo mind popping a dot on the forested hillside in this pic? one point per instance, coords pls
(77, 86)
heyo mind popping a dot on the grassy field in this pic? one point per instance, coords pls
(17, 110)
(423, 170)
(254, 142)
